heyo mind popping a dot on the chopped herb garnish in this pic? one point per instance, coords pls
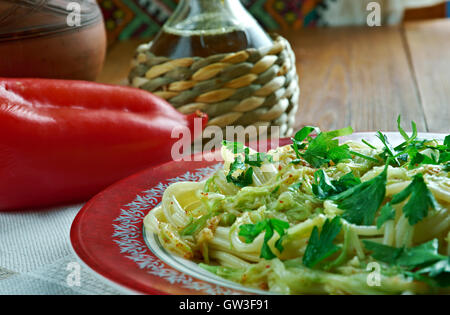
(368, 144)
(389, 153)
(250, 231)
(361, 202)
(383, 253)
(322, 149)
(420, 200)
(251, 159)
(433, 267)
(321, 246)
(325, 148)
(275, 190)
(411, 147)
(245, 178)
(447, 167)
(404, 134)
(300, 136)
(444, 157)
(437, 274)
(405, 257)
(256, 159)
(417, 158)
(387, 213)
(324, 187)
(366, 157)
(235, 147)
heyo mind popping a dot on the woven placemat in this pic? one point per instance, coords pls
(250, 87)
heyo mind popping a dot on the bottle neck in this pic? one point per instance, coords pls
(209, 16)
(208, 27)
(211, 5)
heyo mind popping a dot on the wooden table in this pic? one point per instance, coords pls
(363, 77)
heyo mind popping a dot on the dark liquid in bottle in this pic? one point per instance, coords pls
(187, 44)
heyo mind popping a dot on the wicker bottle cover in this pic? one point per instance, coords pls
(248, 87)
(220, 61)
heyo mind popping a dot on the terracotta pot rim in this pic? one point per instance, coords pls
(88, 18)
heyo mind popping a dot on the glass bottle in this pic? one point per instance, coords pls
(62, 39)
(208, 27)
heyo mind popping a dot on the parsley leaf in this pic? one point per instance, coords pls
(383, 253)
(417, 158)
(421, 199)
(411, 147)
(438, 272)
(444, 154)
(300, 136)
(245, 178)
(324, 187)
(368, 144)
(250, 231)
(366, 157)
(321, 247)
(256, 159)
(324, 148)
(389, 153)
(250, 159)
(419, 255)
(405, 257)
(362, 201)
(339, 152)
(433, 267)
(447, 167)
(387, 213)
(235, 147)
(347, 181)
(404, 134)
(444, 157)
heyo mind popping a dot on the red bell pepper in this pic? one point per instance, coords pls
(64, 141)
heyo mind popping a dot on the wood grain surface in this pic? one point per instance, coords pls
(363, 77)
(429, 48)
(357, 77)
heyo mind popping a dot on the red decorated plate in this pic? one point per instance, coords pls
(108, 236)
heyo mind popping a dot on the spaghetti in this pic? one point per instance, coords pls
(291, 223)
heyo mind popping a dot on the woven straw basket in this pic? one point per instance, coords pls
(249, 87)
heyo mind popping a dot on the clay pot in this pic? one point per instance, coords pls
(51, 39)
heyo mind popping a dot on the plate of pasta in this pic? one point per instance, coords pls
(325, 212)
